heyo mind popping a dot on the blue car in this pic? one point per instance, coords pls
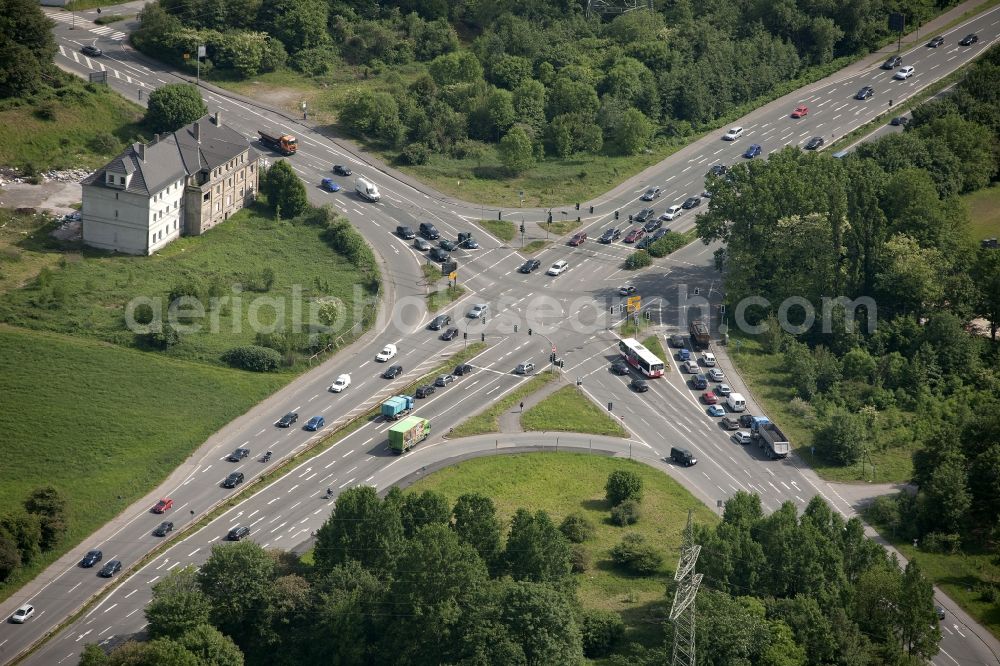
(329, 185)
(315, 423)
(716, 410)
(752, 152)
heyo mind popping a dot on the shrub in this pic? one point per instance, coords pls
(577, 528)
(638, 259)
(579, 558)
(666, 245)
(46, 110)
(623, 485)
(634, 554)
(105, 143)
(602, 630)
(937, 542)
(253, 358)
(415, 153)
(626, 513)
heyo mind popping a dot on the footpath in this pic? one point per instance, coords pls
(510, 421)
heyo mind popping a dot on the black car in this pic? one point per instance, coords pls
(233, 480)
(238, 455)
(393, 371)
(421, 244)
(405, 232)
(719, 170)
(814, 143)
(424, 391)
(619, 367)
(238, 533)
(892, 63)
(342, 170)
(610, 235)
(645, 242)
(529, 265)
(969, 40)
(678, 341)
(450, 334)
(439, 255)
(660, 233)
(639, 385)
(463, 369)
(691, 202)
(936, 42)
(288, 419)
(165, 528)
(429, 231)
(746, 420)
(446, 245)
(111, 568)
(91, 558)
(682, 457)
(899, 121)
(865, 93)
(644, 215)
(469, 243)
(439, 322)
(91, 51)
(652, 225)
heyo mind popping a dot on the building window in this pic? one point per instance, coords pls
(116, 196)
(116, 213)
(206, 196)
(122, 178)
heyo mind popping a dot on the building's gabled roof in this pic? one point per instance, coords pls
(211, 146)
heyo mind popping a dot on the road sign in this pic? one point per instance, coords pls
(553, 349)
(453, 275)
(633, 303)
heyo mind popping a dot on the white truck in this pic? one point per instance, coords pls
(736, 402)
(367, 190)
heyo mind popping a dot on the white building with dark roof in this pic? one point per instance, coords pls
(183, 183)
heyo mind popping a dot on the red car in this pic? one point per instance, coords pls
(163, 505)
(709, 398)
(635, 234)
(800, 112)
(578, 239)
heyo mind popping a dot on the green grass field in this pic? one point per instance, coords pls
(489, 419)
(569, 410)
(984, 213)
(564, 483)
(502, 229)
(652, 343)
(100, 422)
(533, 247)
(442, 297)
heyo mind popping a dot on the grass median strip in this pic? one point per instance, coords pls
(652, 343)
(502, 229)
(442, 297)
(569, 410)
(534, 246)
(489, 419)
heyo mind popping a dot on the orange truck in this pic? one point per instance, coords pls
(283, 143)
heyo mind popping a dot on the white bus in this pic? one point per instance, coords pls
(640, 358)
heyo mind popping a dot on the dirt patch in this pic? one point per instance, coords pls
(53, 196)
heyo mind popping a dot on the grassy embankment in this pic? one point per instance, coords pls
(489, 419)
(569, 410)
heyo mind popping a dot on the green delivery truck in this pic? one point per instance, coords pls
(408, 433)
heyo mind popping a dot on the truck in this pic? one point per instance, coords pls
(367, 190)
(283, 143)
(699, 334)
(769, 437)
(397, 407)
(408, 433)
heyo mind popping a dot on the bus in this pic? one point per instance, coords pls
(640, 358)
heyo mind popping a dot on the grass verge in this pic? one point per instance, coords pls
(432, 272)
(442, 297)
(652, 343)
(559, 227)
(112, 18)
(629, 329)
(489, 419)
(502, 229)
(569, 410)
(534, 246)
(984, 212)
(565, 483)
(80, 5)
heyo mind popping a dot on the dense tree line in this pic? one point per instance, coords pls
(27, 47)
(533, 79)
(38, 528)
(885, 224)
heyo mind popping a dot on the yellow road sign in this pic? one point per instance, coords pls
(633, 303)
(453, 275)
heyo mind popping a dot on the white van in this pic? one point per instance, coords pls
(736, 402)
(367, 190)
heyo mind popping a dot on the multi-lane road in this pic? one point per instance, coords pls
(570, 312)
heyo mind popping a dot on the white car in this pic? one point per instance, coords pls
(904, 73)
(724, 389)
(22, 614)
(340, 383)
(708, 358)
(741, 437)
(716, 375)
(691, 367)
(558, 267)
(478, 310)
(733, 133)
(673, 212)
(387, 352)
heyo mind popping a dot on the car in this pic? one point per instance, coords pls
(724, 389)
(691, 366)
(450, 334)
(652, 225)
(741, 437)
(815, 143)
(446, 245)
(691, 202)
(393, 371)
(892, 63)
(708, 358)
(716, 375)
(22, 614)
(936, 42)
(238, 454)
(558, 268)
(405, 232)
(470, 243)
(421, 244)
(110, 569)
(682, 457)
(578, 239)
(163, 529)
(674, 212)
(163, 505)
(315, 423)
(340, 383)
(900, 121)
(429, 231)
(939, 610)
(342, 170)
(635, 234)
(733, 134)
(287, 420)
(238, 533)
(699, 381)
(529, 266)
(709, 398)
(387, 352)
(620, 367)
(968, 40)
(610, 235)
(462, 369)
(439, 322)
(439, 255)
(424, 391)
(651, 193)
(329, 185)
(715, 410)
(478, 311)
(752, 152)
(746, 420)
(684, 354)
(660, 233)
(233, 480)
(719, 170)
(705, 194)
(643, 215)
(904, 73)
(800, 112)
(677, 341)
(627, 289)
(638, 385)
(524, 368)
(444, 380)
(865, 93)
(645, 242)
(91, 51)
(91, 558)
(730, 423)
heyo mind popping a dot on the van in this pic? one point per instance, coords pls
(682, 457)
(429, 231)
(736, 402)
(367, 190)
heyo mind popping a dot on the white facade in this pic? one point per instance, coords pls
(130, 222)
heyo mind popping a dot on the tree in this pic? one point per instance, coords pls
(173, 106)
(622, 485)
(25, 530)
(910, 277)
(211, 646)
(945, 499)
(529, 104)
(284, 190)
(372, 114)
(577, 528)
(634, 554)
(93, 655)
(844, 440)
(29, 48)
(237, 580)
(427, 508)
(569, 96)
(542, 620)
(362, 528)
(781, 649)
(50, 507)
(516, 151)
(10, 556)
(601, 630)
(986, 276)
(730, 631)
(536, 550)
(984, 484)
(342, 624)
(476, 524)
(178, 605)
(918, 628)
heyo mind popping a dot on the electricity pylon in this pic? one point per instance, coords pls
(612, 7)
(682, 612)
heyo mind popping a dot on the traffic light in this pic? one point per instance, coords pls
(591, 210)
(522, 227)
(578, 205)
(616, 215)
(529, 331)
(465, 336)
(550, 217)
(515, 328)
(609, 406)
(552, 358)
(483, 336)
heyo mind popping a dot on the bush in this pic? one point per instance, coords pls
(638, 259)
(666, 245)
(415, 153)
(253, 358)
(884, 511)
(623, 485)
(105, 143)
(635, 555)
(626, 513)
(577, 528)
(936, 542)
(46, 110)
(602, 630)
(579, 558)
